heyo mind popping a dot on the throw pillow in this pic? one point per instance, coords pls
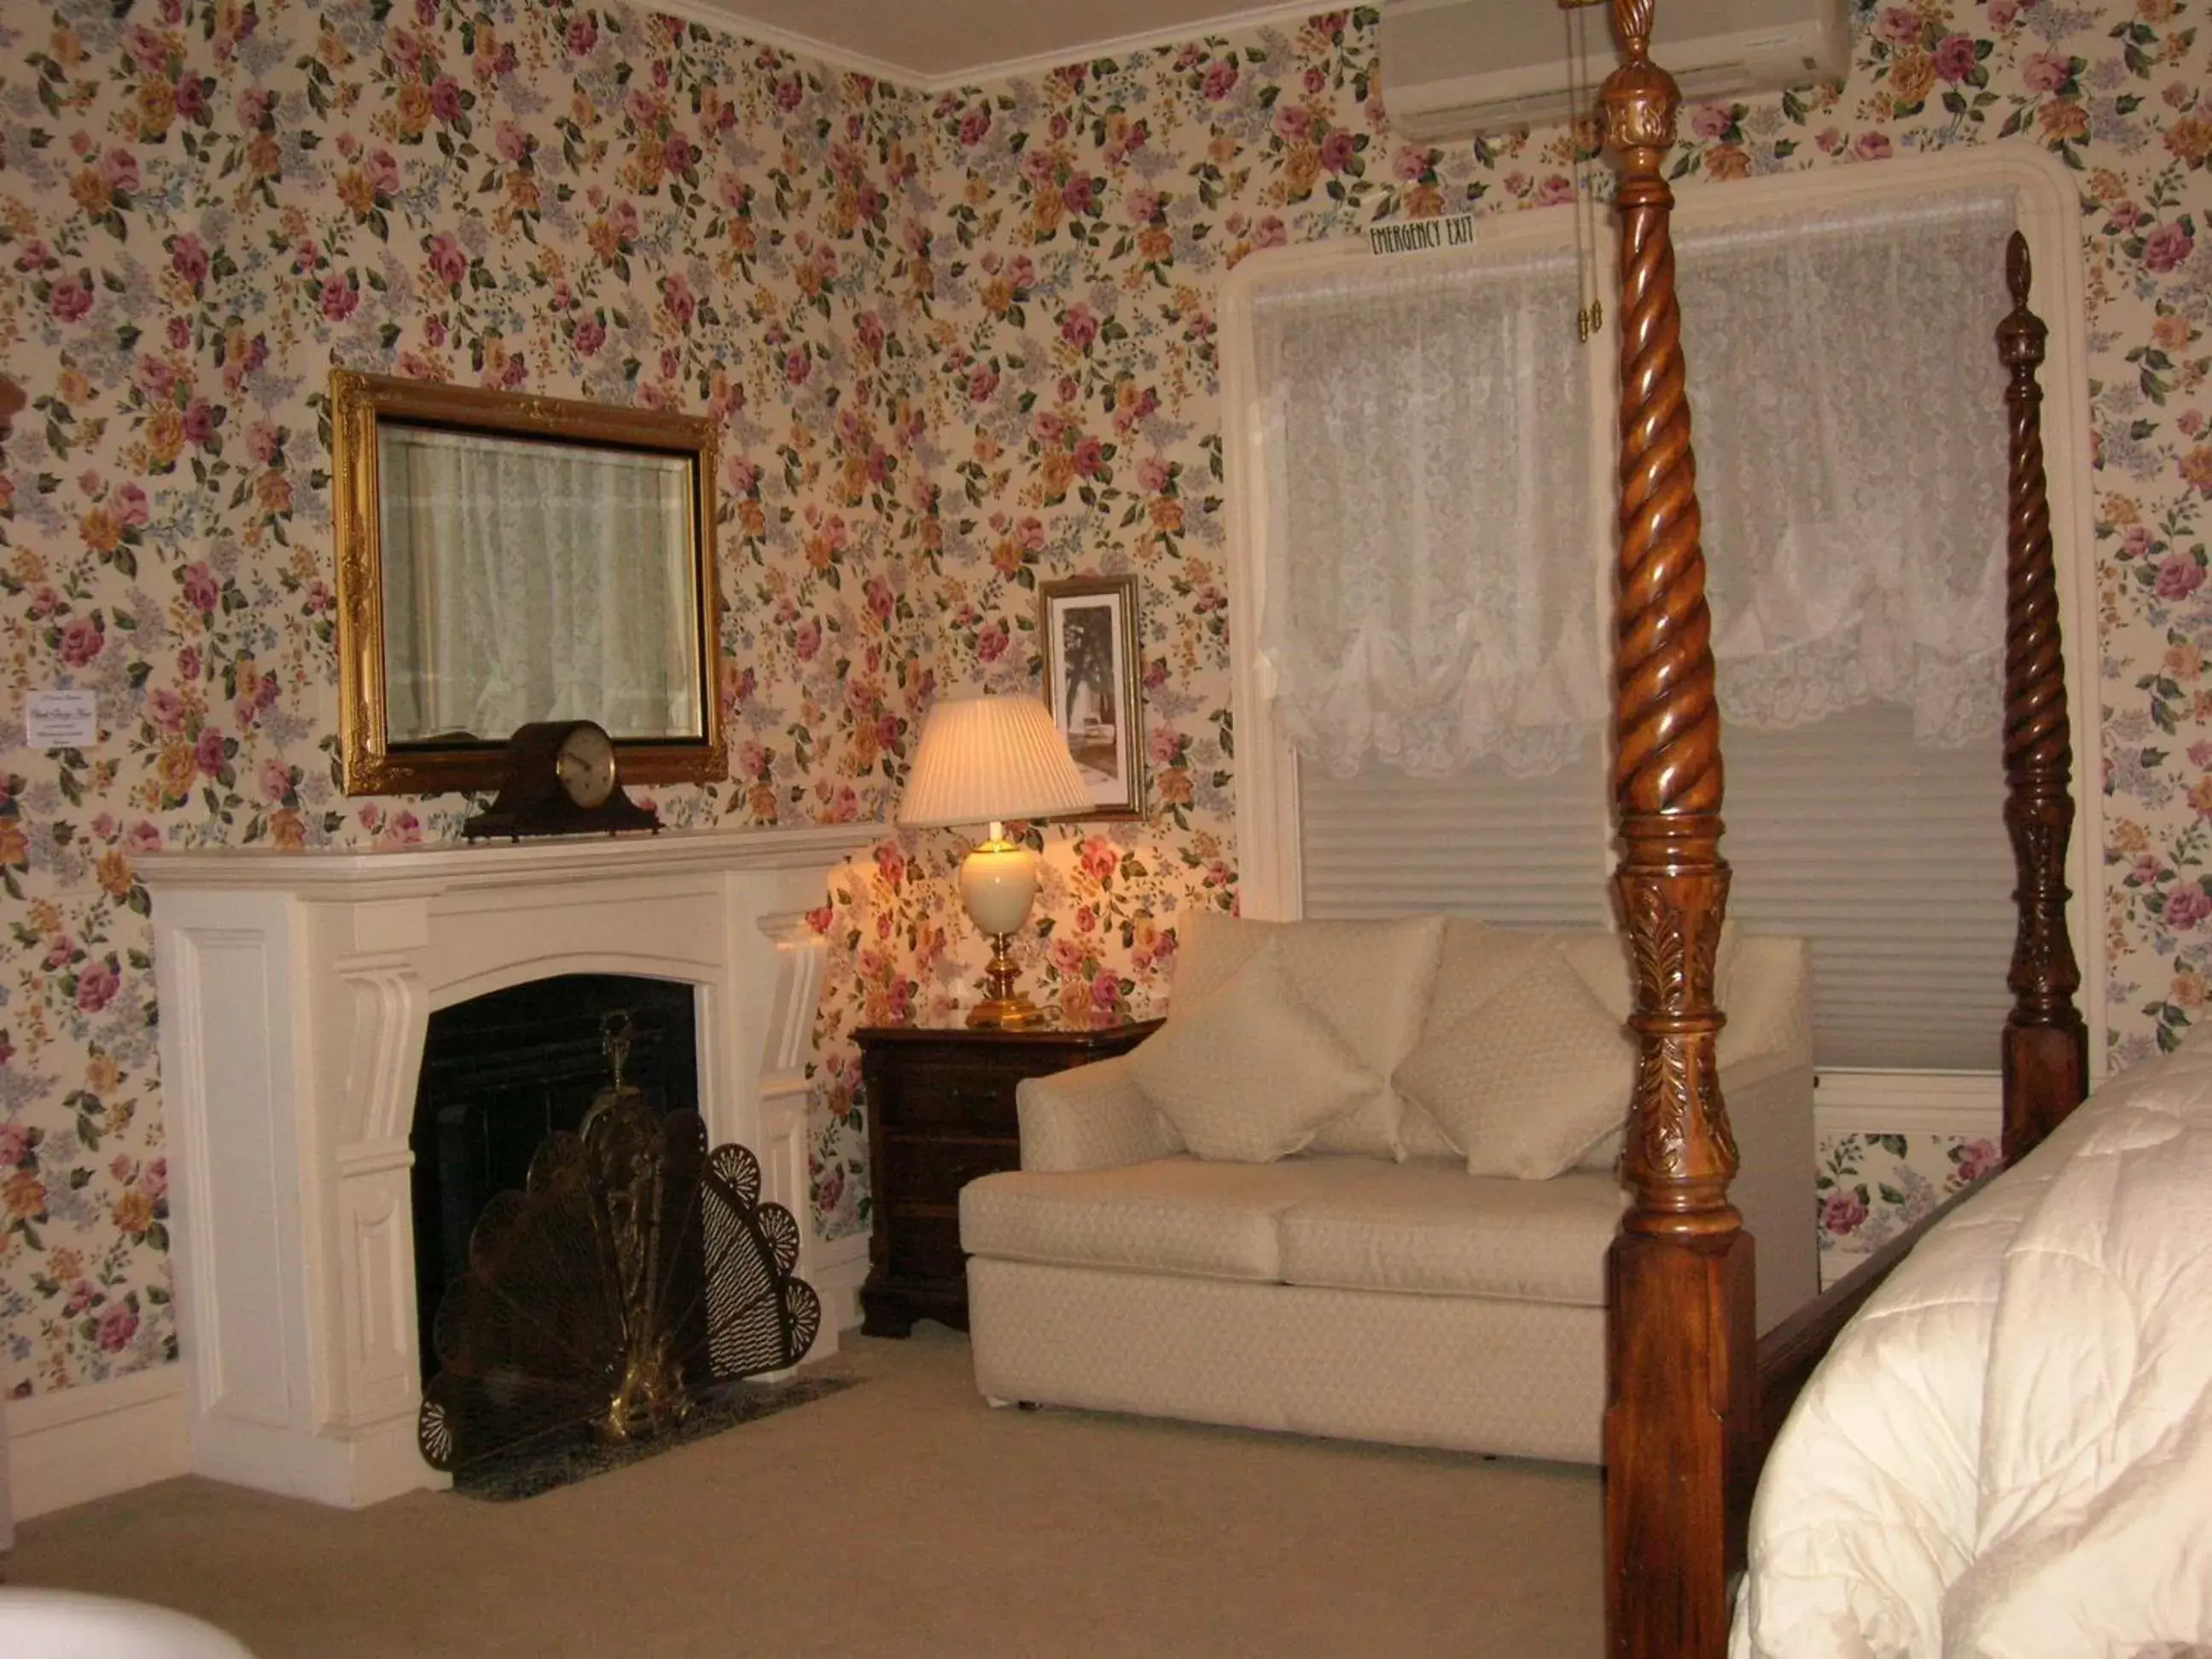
(1525, 1079)
(1370, 981)
(1248, 1073)
(1474, 964)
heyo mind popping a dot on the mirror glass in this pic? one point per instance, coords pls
(527, 580)
(507, 559)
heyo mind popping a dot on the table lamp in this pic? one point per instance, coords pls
(983, 760)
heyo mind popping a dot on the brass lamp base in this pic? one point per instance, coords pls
(1003, 1008)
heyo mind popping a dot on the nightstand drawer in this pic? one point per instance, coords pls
(952, 1099)
(928, 1247)
(933, 1170)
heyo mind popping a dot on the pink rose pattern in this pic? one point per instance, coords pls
(957, 344)
(1869, 1187)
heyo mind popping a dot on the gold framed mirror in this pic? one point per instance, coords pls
(504, 558)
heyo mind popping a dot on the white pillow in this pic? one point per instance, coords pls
(1473, 964)
(1248, 1073)
(1519, 1064)
(1370, 980)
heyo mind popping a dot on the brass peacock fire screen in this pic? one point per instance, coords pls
(634, 1273)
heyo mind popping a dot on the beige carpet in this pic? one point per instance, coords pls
(899, 1517)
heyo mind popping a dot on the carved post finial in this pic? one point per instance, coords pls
(1640, 100)
(1632, 24)
(2019, 270)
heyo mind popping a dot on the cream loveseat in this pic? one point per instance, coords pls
(1269, 1213)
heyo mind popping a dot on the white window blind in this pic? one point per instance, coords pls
(1890, 856)
(1522, 852)
(1892, 860)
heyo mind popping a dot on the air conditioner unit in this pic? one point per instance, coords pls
(1452, 68)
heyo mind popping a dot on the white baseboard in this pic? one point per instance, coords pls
(837, 1271)
(1969, 1103)
(76, 1444)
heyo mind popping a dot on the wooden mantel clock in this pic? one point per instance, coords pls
(560, 778)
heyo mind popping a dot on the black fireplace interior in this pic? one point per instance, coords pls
(500, 1073)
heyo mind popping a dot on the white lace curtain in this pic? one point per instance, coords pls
(1847, 410)
(1439, 520)
(530, 581)
(1429, 586)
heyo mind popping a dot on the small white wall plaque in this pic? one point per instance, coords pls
(61, 720)
(1419, 235)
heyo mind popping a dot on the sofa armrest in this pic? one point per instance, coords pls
(1766, 1057)
(1090, 1117)
(1773, 1188)
(1769, 1004)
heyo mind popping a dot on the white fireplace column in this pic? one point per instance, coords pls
(295, 989)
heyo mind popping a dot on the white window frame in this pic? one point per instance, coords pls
(1269, 879)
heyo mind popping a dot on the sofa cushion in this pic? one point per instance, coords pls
(1421, 1136)
(1603, 961)
(1370, 979)
(1430, 1228)
(1520, 1064)
(1474, 962)
(1171, 1215)
(1248, 1070)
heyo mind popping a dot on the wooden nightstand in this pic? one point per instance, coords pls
(940, 1113)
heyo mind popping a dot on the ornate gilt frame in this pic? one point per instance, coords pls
(373, 766)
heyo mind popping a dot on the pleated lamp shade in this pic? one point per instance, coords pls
(984, 758)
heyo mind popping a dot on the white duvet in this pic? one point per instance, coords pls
(2008, 1454)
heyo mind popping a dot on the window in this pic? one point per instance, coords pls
(1883, 507)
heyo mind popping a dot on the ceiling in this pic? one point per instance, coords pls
(936, 43)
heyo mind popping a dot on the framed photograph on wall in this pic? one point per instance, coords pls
(1088, 628)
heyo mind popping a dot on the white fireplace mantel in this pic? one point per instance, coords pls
(295, 990)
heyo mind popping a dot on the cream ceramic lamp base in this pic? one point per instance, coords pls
(997, 884)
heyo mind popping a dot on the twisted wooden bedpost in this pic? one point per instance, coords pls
(1679, 1272)
(2047, 1047)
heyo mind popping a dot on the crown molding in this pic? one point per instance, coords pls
(1229, 22)
(855, 62)
(767, 34)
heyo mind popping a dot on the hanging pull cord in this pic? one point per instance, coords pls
(1589, 307)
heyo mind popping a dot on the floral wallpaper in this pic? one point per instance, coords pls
(958, 344)
(1872, 1186)
(203, 207)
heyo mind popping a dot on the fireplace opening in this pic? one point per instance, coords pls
(502, 1071)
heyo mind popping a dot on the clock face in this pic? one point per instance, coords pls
(585, 764)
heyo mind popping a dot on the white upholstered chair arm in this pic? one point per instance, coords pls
(1090, 1117)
